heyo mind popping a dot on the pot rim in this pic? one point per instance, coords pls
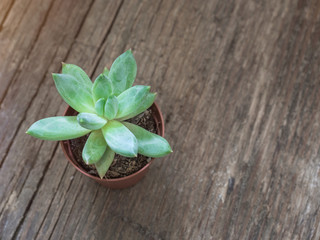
(69, 155)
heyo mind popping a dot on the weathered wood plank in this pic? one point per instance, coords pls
(5, 7)
(238, 83)
(18, 34)
(32, 161)
(88, 49)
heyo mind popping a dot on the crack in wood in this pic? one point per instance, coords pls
(34, 194)
(6, 15)
(101, 49)
(26, 56)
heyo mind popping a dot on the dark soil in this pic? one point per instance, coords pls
(121, 166)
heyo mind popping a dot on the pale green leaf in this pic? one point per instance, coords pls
(130, 100)
(111, 107)
(78, 74)
(123, 72)
(91, 121)
(144, 105)
(149, 144)
(104, 163)
(74, 93)
(99, 106)
(57, 128)
(106, 71)
(94, 148)
(102, 87)
(120, 139)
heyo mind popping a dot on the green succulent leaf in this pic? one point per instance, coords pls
(57, 129)
(141, 107)
(91, 121)
(149, 144)
(74, 92)
(106, 71)
(78, 74)
(120, 139)
(94, 148)
(123, 72)
(131, 99)
(104, 163)
(99, 106)
(102, 87)
(111, 107)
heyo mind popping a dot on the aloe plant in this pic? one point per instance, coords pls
(103, 107)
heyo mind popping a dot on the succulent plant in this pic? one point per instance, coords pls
(103, 107)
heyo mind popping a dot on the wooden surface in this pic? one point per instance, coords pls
(238, 83)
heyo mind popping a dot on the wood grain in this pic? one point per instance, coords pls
(239, 85)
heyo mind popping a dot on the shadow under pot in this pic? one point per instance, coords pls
(121, 182)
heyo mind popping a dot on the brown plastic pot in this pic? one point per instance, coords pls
(117, 183)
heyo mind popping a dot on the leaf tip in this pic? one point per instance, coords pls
(85, 159)
(29, 131)
(54, 75)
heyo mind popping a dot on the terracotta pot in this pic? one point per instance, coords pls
(116, 183)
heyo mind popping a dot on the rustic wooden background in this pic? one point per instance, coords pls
(239, 84)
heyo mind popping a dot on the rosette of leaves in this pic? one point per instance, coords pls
(103, 107)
